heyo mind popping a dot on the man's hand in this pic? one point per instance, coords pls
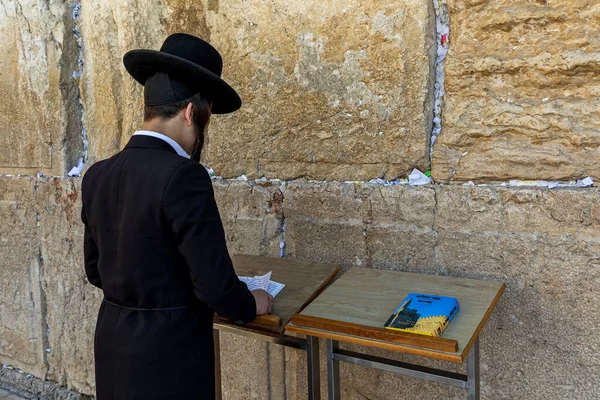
(264, 302)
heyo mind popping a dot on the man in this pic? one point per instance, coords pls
(154, 241)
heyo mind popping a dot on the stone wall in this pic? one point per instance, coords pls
(546, 254)
(333, 91)
(39, 108)
(523, 86)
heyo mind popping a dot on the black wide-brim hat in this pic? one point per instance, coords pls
(193, 65)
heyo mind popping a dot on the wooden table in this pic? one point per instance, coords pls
(357, 305)
(304, 281)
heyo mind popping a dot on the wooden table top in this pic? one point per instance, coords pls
(303, 281)
(368, 297)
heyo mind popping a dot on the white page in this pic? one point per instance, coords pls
(274, 288)
(257, 282)
(263, 282)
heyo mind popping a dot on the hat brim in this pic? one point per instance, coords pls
(142, 64)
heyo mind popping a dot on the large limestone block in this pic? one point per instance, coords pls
(360, 225)
(522, 92)
(39, 111)
(518, 210)
(251, 215)
(112, 100)
(544, 316)
(244, 368)
(21, 300)
(333, 90)
(326, 223)
(400, 235)
(336, 90)
(550, 270)
(72, 302)
(251, 369)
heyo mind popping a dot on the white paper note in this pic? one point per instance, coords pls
(274, 288)
(263, 282)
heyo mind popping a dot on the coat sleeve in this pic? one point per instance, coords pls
(192, 214)
(90, 254)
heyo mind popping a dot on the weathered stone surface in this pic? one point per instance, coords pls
(41, 128)
(518, 210)
(252, 369)
(31, 387)
(400, 235)
(326, 223)
(540, 242)
(384, 227)
(21, 306)
(544, 315)
(71, 302)
(113, 101)
(244, 368)
(522, 86)
(251, 215)
(339, 90)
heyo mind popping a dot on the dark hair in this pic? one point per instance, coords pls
(200, 114)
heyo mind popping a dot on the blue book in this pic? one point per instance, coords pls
(425, 314)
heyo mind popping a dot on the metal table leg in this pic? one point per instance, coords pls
(218, 388)
(333, 370)
(473, 371)
(312, 360)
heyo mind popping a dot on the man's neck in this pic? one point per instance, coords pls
(165, 128)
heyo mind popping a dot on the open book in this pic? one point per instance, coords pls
(263, 282)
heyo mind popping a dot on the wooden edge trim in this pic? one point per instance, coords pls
(483, 321)
(268, 320)
(298, 330)
(256, 326)
(372, 332)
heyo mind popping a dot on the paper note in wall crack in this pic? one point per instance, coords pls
(263, 282)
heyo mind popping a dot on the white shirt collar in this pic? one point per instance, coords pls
(167, 139)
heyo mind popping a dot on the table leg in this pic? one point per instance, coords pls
(312, 364)
(333, 371)
(473, 371)
(217, 344)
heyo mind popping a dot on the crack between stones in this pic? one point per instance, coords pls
(77, 74)
(442, 23)
(40, 274)
(284, 372)
(282, 225)
(367, 223)
(436, 232)
(269, 386)
(4, 8)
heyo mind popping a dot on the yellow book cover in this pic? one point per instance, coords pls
(425, 314)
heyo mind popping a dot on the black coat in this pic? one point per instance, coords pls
(154, 243)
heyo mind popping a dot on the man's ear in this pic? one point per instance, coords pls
(187, 114)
